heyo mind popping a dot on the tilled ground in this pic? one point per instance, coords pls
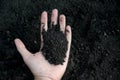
(95, 49)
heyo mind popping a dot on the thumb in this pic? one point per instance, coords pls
(22, 49)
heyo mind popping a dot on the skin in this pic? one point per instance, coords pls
(41, 69)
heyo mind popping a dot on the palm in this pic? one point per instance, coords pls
(39, 66)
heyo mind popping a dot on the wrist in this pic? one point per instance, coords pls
(42, 78)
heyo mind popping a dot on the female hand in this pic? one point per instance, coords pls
(39, 66)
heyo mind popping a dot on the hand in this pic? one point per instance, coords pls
(38, 65)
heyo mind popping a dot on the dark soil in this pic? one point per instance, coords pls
(55, 45)
(95, 49)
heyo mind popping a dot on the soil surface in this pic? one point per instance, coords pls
(95, 49)
(54, 45)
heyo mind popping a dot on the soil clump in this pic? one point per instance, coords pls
(54, 45)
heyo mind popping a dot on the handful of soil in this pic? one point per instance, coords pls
(55, 45)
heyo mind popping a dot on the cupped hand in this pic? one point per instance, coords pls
(38, 65)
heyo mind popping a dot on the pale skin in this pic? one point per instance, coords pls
(39, 66)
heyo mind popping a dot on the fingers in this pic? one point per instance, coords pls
(69, 38)
(44, 21)
(54, 17)
(22, 49)
(44, 25)
(62, 22)
(68, 35)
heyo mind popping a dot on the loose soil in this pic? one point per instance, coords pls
(54, 45)
(95, 48)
